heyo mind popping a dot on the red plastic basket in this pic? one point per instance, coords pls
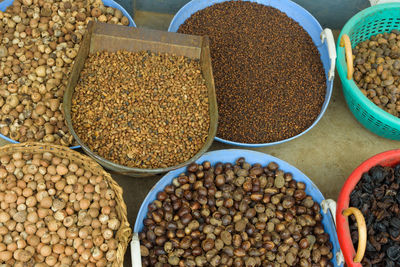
(388, 158)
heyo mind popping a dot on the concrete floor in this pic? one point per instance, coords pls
(327, 154)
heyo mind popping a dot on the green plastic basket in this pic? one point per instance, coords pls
(371, 21)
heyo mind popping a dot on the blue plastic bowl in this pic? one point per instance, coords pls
(231, 155)
(110, 3)
(292, 10)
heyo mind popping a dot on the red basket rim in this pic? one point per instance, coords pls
(388, 158)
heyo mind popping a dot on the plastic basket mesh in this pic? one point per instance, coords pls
(383, 20)
(363, 30)
(378, 126)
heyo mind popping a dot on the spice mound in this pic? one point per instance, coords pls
(38, 44)
(144, 110)
(377, 70)
(55, 213)
(269, 78)
(377, 196)
(234, 215)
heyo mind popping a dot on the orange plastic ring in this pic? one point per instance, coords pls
(362, 232)
(345, 41)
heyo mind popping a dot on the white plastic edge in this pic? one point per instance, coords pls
(327, 35)
(377, 2)
(330, 205)
(135, 251)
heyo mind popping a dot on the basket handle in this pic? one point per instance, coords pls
(345, 41)
(327, 35)
(362, 232)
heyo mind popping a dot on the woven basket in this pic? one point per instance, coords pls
(124, 233)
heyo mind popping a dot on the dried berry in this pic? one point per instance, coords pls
(376, 196)
(395, 222)
(393, 253)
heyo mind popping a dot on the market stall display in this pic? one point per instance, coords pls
(273, 82)
(59, 207)
(233, 206)
(372, 189)
(162, 114)
(39, 43)
(379, 19)
(143, 102)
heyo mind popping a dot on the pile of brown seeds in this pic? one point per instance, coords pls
(143, 109)
(377, 70)
(39, 41)
(234, 215)
(269, 77)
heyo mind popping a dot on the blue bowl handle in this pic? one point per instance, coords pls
(330, 205)
(135, 251)
(327, 35)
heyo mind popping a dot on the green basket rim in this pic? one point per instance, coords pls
(349, 85)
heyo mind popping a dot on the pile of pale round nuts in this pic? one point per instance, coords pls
(234, 215)
(55, 213)
(38, 43)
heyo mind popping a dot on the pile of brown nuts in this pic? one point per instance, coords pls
(234, 215)
(54, 213)
(38, 43)
(144, 110)
(377, 70)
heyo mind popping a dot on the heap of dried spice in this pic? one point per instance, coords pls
(144, 109)
(269, 78)
(377, 196)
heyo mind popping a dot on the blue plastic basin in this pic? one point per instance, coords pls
(110, 3)
(292, 10)
(231, 155)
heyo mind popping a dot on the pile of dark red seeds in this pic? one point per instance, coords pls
(269, 77)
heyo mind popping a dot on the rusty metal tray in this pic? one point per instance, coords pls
(102, 36)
